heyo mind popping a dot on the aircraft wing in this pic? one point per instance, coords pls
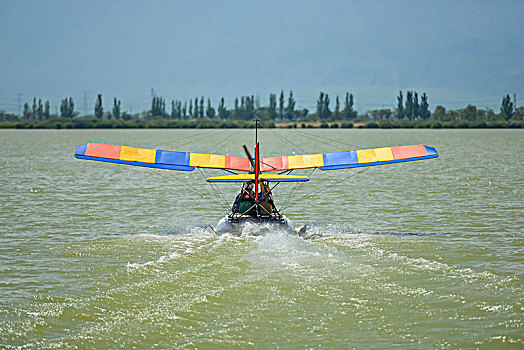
(349, 159)
(153, 158)
(189, 161)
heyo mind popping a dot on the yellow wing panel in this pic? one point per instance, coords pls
(366, 156)
(313, 160)
(216, 161)
(384, 154)
(305, 161)
(134, 154)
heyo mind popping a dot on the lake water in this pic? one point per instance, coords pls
(417, 255)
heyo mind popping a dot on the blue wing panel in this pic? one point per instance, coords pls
(338, 160)
(432, 151)
(172, 158)
(81, 149)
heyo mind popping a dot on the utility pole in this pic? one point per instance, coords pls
(515, 100)
(19, 94)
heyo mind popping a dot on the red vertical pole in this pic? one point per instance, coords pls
(257, 172)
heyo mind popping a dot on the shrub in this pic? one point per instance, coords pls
(462, 124)
(386, 124)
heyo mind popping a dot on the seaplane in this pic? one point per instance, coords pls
(258, 175)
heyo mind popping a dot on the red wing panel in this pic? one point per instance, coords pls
(273, 164)
(413, 151)
(238, 163)
(103, 151)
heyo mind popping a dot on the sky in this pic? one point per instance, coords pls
(458, 52)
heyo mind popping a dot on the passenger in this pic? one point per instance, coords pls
(265, 192)
(266, 198)
(245, 199)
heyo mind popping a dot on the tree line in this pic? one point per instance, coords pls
(411, 110)
(411, 107)
(245, 108)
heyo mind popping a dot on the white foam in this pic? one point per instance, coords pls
(162, 259)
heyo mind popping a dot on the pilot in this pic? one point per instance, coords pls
(247, 191)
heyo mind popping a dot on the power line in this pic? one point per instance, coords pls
(85, 102)
(19, 94)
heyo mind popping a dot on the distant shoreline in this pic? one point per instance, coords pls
(92, 123)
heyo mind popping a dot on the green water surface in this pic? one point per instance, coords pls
(418, 255)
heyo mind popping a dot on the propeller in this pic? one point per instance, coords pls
(249, 157)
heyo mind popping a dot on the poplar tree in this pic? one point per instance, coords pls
(400, 106)
(46, 110)
(320, 105)
(33, 109)
(424, 107)
(158, 107)
(281, 105)
(272, 107)
(250, 107)
(116, 109)
(290, 109)
(415, 106)
(327, 111)
(71, 107)
(348, 112)
(409, 105)
(178, 106)
(222, 111)
(67, 108)
(323, 111)
(64, 109)
(210, 111)
(337, 108)
(201, 109)
(507, 107)
(196, 112)
(40, 110)
(27, 112)
(99, 108)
